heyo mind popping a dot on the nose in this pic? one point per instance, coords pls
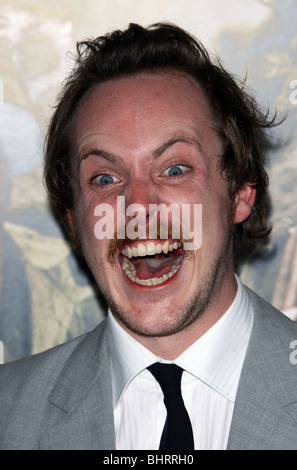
(142, 193)
(139, 195)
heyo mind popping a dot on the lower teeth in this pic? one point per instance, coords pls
(130, 272)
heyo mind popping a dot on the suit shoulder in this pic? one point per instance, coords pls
(271, 315)
(27, 384)
(22, 375)
(48, 363)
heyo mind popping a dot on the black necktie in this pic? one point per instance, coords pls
(177, 433)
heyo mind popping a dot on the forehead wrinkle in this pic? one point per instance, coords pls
(179, 138)
(88, 151)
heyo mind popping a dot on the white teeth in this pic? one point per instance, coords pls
(166, 247)
(151, 248)
(141, 250)
(134, 251)
(128, 267)
(130, 272)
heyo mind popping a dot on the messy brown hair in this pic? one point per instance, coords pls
(237, 118)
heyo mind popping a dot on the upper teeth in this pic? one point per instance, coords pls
(151, 248)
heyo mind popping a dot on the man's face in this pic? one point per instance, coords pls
(149, 138)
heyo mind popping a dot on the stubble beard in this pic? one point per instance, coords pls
(207, 292)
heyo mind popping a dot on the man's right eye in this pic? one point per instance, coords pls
(105, 179)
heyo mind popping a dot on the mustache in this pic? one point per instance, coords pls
(162, 233)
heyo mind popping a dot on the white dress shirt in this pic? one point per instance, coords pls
(212, 367)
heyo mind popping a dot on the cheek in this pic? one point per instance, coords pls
(85, 225)
(216, 209)
(97, 225)
(189, 194)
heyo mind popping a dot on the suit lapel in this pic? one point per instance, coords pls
(81, 412)
(260, 422)
(265, 409)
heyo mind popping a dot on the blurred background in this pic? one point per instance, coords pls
(46, 296)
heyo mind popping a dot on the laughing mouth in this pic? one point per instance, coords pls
(152, 263)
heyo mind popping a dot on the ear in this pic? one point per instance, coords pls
(244, 202)
(70, 217)
(73, 231)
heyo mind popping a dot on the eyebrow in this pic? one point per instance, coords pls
(190, 140)
(87, 152)
(111, 157)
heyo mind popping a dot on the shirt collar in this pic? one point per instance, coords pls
(216, 358)
(128, 357)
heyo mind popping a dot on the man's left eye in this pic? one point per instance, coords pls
(176, 170)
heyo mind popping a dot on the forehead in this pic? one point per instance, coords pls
(132, 111)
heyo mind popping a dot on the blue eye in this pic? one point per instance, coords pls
(104, 180)
(175, 170)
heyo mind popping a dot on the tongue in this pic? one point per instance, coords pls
(147, 268)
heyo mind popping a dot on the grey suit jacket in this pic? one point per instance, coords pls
(62, 398)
